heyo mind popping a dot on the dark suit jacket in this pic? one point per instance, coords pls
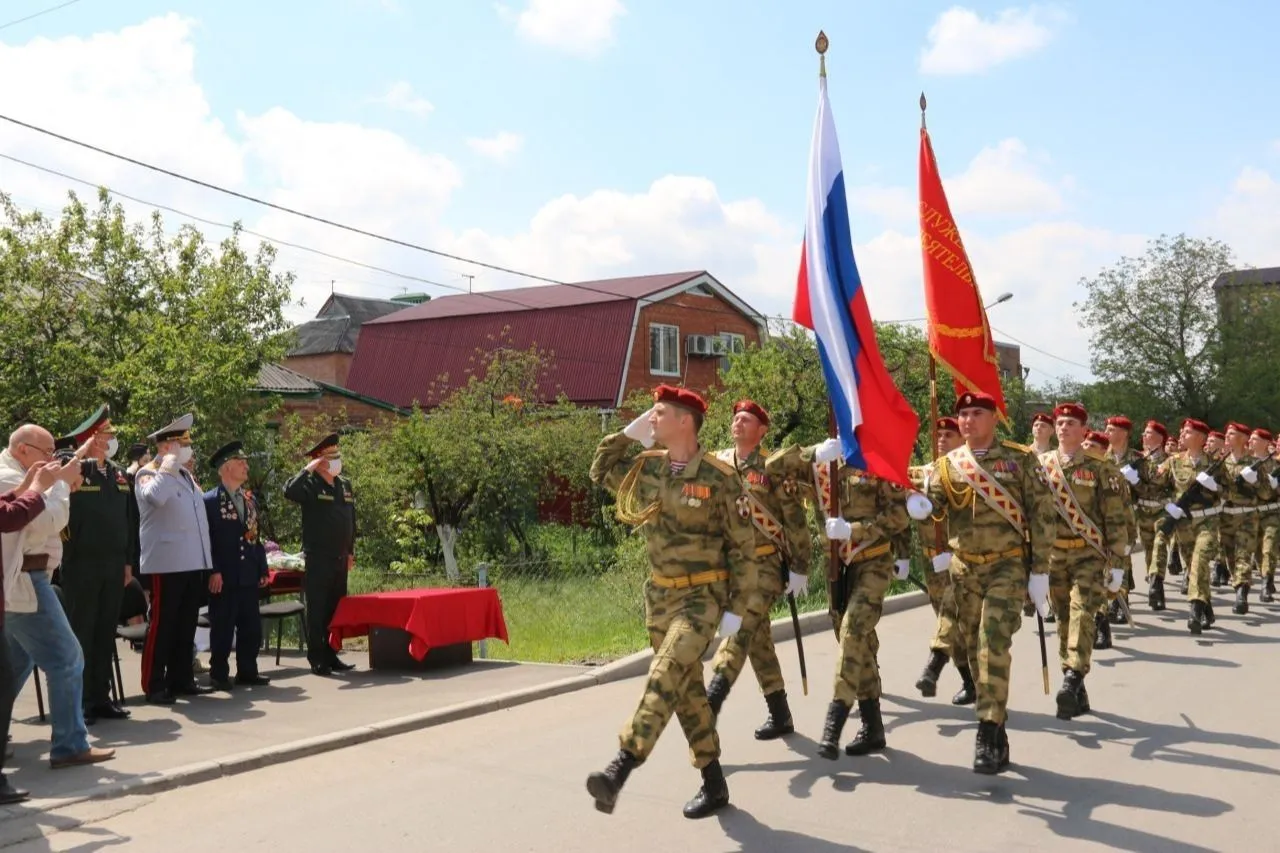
(236, 546)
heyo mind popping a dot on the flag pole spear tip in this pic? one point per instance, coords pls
(923, 106)
(821, 44)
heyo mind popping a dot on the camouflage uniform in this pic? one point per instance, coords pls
(989, 569)
(1197, 535)
(1149, 501)
(699, 548)
(1078, 565)
(786, 549)
(1268, 525)
(1238, 529)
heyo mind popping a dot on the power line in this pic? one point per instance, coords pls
(1041, 351)
(32, 16)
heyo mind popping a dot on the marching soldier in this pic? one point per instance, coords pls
(1186, 475)
(1238, 530)
(98, 556)
(328, 546)
(684, 502)
(1000, 523)
(1149, 509)
(1041, 433)
(1090, 543)
(1215, 446)
(1268, 512)
(775, 506)
(872, 512)
(946, 644)
(1118, 429)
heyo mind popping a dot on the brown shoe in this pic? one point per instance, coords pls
(92, 755)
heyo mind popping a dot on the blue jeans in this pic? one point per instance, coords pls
(45, 639)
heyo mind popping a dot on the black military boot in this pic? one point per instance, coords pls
(778, 723)
(1196, 621)
(986, 749)
(1069, 695)
(870, 736)
(927, 683)
(837, 713)
(712, 796)
(1102, 632)
(1209, 618)
(1268, 594)
(1115, 615)
(1186, 583)
(1050, 617)
(1028, 609)
(1155, 593)
(968, 692)
(604, 787)
(717, 692)
(1219, 574)
(1002, 746)
(1242, 601)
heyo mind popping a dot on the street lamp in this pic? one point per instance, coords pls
(1004, 297)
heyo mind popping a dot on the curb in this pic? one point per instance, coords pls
(204, 771)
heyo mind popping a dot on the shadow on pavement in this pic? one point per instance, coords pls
(754, 837)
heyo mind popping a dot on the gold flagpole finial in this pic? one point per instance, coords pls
(923, 106)
(821, 45)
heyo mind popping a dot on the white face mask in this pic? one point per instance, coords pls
(184, 455)
(335, 467)
(112, 446)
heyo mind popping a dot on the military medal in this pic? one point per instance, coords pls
(744, 506)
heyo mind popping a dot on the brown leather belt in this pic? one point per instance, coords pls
(35, 562)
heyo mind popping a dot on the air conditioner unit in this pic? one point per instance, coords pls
(700, 345)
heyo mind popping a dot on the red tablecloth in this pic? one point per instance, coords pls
(432, 617)
(283, 581)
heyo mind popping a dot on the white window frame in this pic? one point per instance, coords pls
(656, 369)
(735, 343)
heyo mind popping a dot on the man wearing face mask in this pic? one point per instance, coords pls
(174, 551)
(328, 545)
(99, 553)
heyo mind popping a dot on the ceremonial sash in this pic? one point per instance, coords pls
(848, 549)
(1064, 500)
(751, 507)
(987, 487)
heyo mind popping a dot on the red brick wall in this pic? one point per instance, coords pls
(693, 315)
(358, 413)
(331, 367)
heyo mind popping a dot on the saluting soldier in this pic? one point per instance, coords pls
(1149, 502)
(328, 545)
(774, 504)
(1238, 530)
(1000, 523)
(684, 502)
(1268, 511)
(98, 556)
(239, 571)
(174, 551)
(1196, 529)
(946, 643)
(1090, 543)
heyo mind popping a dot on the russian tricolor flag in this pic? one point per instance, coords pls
(876, 425)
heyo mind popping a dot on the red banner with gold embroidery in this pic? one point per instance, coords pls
(959, 336)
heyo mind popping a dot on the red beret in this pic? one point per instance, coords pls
(1156, 426)
(1041, 417)
(1098, 438)
(752, 408)
(682, 397)
(1236, 426)
(1120, 421)
(975, 400)
(1071, 410)
(948, 423)
(1263, 434)
(1198, 426)
(1216, 434)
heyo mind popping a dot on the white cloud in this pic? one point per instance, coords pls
(1248, 218)
(400, 96)
(578, 27)
(501, 146)
(962, 42)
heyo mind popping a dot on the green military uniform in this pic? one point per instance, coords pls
(1091, 538)
(1129, 459)
(701, 555)
(1196, 536)
(1149, 501)
(998, 509)
(1268, 525)
(328, 541)
(774, 505)
(1238, 528)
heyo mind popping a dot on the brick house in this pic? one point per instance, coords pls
(307, 398)
(324, 346)
(606, 338)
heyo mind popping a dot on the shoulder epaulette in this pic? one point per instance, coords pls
(650, 454)
(1095, 455)
(1013, 445)
(719, 464)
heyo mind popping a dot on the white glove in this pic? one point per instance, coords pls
(901, 569)
(1117, 578)
(641, 430)
(1274, 481)
(1130, 474)
(942, 562)
(1174, 510)
(838, 528)
(797, 584)
(1038, 592)
(918, 506)
(1208, 482)
(730, 623)
(1250, 476)
(827, 451)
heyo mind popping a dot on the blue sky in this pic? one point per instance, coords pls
(1117, 125)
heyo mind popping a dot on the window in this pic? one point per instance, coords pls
(664, 349)
(734, 344)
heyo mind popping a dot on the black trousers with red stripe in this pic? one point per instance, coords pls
(175, 610)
